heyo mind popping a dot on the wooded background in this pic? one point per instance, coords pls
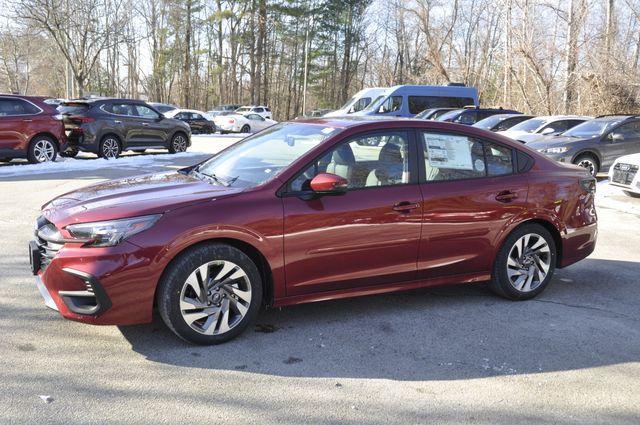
(538, 56)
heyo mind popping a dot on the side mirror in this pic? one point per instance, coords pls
(547, 131)
(616, 137)
(160, 118)
(329, 184)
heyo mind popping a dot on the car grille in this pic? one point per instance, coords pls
(48, 249)
(624, 173)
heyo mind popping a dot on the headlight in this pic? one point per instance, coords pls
(112, 232)
(561, 149)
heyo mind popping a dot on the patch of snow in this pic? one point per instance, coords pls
(200, 144)
(612, 197)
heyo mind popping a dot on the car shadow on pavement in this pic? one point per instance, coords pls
(588, 317)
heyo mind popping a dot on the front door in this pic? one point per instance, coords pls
(623, 140)
(471, 193)
(368, 236)
(152, 130)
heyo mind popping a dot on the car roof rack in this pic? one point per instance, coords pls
(618, 115)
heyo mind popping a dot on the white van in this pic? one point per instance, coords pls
(358, 102)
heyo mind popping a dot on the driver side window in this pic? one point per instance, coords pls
(380, 159)
(627, 131)
(392, 104)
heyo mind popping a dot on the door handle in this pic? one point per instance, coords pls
(117, 122)
(506, 196)
(405, 206)
(145, 124)
(27, 120)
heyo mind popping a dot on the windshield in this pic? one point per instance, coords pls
(375, 104)
(72, 108)
(258, 159)
(449, 115)
(243, 109)
(590, 128)
(488, 123)
(529, 126)
(348, 104)
(164, 108)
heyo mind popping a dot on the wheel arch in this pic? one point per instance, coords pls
(549, 226)
(592, 152)
(250, 250)
(45, 134)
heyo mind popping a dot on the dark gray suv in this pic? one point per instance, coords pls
(107, 127)
(594, 144)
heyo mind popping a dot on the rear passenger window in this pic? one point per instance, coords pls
(9, 107)
(499, 159)
(457, 157)
(367, 161)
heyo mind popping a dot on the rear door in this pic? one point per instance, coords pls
(470, 193)
(16, 115)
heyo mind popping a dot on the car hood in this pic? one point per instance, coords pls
(515, 135)
(634, 159)
(131, 197)
(553, 141)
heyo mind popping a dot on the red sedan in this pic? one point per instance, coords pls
(30, 128)
(313, 210)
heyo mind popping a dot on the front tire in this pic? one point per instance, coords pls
(525, 263)
(588, 162)
(42, 149)
(178, 143)
(210, 294)
(70, 153)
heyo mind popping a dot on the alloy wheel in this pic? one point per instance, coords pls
(179, 143)
(528, 262)
(44, 150)
(110, 148)
(215, 297)
(589, 165)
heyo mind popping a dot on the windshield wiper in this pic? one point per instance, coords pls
(215, 178)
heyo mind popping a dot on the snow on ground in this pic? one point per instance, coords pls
(612, 197)
(200, 146)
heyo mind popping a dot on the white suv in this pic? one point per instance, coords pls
(263, 111)
(624, 173)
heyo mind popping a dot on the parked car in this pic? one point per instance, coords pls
(501, 122)
(433, 203)
(594, 144)
(407, 101)
(433, 113)
(238, 123)
(624, 174)
(263, 111)
(218, 110)
(163, 108)
(358, 102)
(107, 127)
(30, 128)
(199, 122)
(470, 116)
(535, 128)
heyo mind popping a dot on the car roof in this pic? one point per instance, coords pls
(506, 116)
(614, 117)
(564, 117)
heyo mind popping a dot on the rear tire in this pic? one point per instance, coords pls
(42, 149)
(631, 194)
(589, 162)
(110, 147)
(525, 263)
(245, 129)
(195, 302)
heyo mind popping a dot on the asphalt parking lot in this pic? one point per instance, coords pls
(444, 355)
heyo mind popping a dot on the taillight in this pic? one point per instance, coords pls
(232, 121)
(81, 119)
(588, 184)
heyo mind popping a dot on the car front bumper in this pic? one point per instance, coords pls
(101, 286)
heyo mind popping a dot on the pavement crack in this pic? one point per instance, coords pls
(584, 307)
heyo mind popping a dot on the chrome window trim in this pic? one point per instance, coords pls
(118, 115)
(24, 100)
